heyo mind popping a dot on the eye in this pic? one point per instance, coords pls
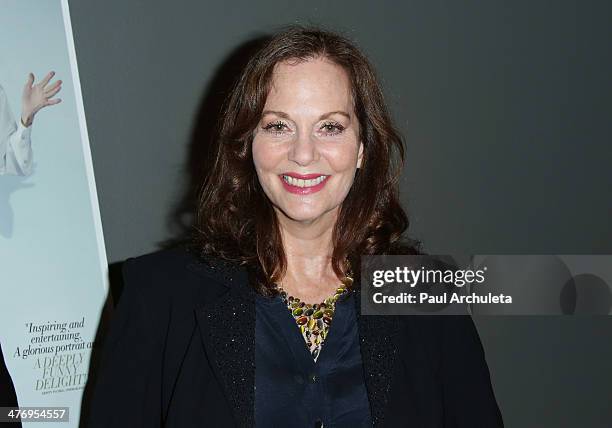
(275, 128)
(332, 128)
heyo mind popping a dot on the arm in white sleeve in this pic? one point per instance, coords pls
(19, 151)
(15, 143)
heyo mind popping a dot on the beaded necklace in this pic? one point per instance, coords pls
(314, 320)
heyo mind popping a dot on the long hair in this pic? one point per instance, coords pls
(235, 220)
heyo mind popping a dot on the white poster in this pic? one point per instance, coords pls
(53, 267)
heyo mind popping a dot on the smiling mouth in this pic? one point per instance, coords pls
(298, 182)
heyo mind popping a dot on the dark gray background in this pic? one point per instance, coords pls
(506, 110)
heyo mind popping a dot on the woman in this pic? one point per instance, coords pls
(237, 329)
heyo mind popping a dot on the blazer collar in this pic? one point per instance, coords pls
(227, 330)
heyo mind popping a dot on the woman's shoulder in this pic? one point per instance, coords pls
(155, 268)
(170, 259)
(176, 261)
(172, 272)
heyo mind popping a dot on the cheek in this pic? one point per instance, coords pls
(344, 166)
(343, 159)
(263, 157)
(266, 160)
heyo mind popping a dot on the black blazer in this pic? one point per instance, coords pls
(8, 397)
(180, 353)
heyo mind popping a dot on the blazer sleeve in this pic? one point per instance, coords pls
(469, 400)
(127, 392)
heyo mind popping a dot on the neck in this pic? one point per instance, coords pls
(308, 248)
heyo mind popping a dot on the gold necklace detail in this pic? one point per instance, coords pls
(314, 320)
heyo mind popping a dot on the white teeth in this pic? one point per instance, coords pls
(304, 183)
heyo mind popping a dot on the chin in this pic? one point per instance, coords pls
(304, 214)
(302, 217)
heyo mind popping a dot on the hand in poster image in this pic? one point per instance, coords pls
(15, 143)
(38, 96)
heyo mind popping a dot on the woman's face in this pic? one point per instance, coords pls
(306, 147)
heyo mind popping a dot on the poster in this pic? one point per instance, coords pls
(53, 267)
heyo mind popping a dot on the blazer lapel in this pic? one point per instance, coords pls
(227, 330)
(378, 354)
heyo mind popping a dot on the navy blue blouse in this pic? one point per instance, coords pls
(291, 389)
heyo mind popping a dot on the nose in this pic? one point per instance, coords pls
(303, 150)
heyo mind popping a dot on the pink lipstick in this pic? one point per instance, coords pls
(303, 184)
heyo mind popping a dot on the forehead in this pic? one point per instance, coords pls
(312, 83)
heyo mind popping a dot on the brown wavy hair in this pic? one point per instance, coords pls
(235, 220)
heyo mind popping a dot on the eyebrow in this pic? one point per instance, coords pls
(323, 116)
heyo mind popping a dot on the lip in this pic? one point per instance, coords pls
(302, 176)
(303, 190)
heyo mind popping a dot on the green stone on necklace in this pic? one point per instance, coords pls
(314, 320)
